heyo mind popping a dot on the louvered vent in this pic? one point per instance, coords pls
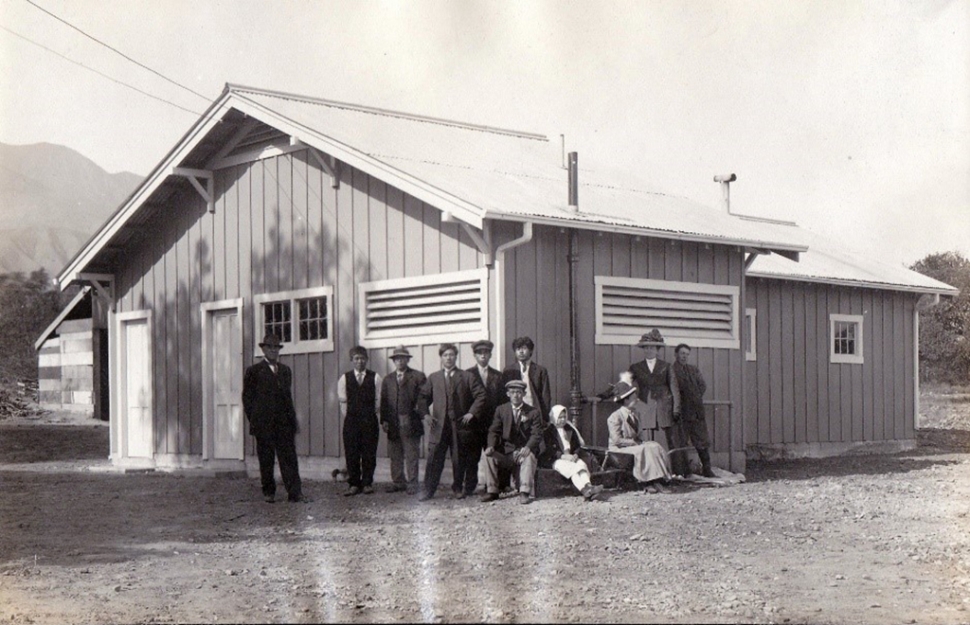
(423, 310)
(702, 315)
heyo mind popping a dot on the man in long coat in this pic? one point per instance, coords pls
(692, 388)
(657, 384)
(268, 404)
(494, 396)
(401, 421)
(452, 399)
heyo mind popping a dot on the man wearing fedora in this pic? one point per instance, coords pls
(657, 384)
(538, 392)
(494, 395)
(452, 399)
(625, 427)
(514, 444)
(359, 395)
(268, 404)
(401, 421)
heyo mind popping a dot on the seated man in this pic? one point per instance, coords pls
(649, 459)
(562, 443)
(514, 439)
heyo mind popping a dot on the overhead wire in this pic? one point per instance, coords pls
(102, 74)
(116, 51)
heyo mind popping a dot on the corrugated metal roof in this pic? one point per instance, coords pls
(828, 262)
(511, 175)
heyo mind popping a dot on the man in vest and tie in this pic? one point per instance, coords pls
(514, 441)
(401, 421)
(452, 400)
(359, 395)
(268, 404)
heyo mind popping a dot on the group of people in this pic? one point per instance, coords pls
(504, 416)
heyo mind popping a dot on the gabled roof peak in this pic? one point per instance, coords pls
(386, 112)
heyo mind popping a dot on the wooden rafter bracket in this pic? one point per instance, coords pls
(194, 175)
(327, 163)
(104, 294)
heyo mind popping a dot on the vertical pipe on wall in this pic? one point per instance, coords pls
(576, 397)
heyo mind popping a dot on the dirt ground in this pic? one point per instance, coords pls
(878, 539)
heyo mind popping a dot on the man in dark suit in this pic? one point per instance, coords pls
(456, 399)
(538, 393)
(268, 404)
(657, 384)
(494, 395)
(514, 444)
(358, 396)
(692, 388)
(401, 421)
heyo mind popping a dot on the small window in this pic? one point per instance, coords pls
(302, 320)
(846, 339)
(751, 344)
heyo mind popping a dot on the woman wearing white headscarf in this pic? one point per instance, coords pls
(649, 459)
(562, 443)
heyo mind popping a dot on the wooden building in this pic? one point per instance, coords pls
(335, 224)
(73, 359)
(832, 354)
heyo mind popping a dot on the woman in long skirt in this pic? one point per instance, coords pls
(650, 466)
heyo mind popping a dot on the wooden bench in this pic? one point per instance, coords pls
(608, 469)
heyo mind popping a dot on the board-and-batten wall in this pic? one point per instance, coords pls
(537, 291)
(795, 395)
(278, 225)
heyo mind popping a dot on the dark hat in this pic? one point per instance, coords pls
(477, 345)
(400, 352)
(519, 384)
(271, 340)
(622, 390)
(651, 338)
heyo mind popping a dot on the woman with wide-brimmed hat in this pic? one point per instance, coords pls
(649, 459)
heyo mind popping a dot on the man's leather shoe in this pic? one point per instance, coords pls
(299, 499)
(353, 491)
(425, 496)
(269, 498)
(489, 497)
(368, 490)
(525, 499)
(395, 488)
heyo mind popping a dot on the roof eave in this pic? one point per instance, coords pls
(886, 286)
(567, 222)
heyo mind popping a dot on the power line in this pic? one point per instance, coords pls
(91, 69)
(116, 51)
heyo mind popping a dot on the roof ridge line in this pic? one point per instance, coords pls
(230, 87)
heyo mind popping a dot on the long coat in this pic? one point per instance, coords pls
(505, 436)
(469, 397)
(692, 389)
(494, 395)
(659, 391)
(399, 399)
(268, 399)
(538, 382)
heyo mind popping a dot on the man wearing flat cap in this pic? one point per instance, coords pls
(268, 404)
(401, 421)
(494, 396)
(452, 399)
(514, 442)
(658, 389)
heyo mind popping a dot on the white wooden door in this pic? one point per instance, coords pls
(224, 346)
(137, 392)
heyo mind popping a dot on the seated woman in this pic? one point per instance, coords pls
(562, 443)
(649, 458)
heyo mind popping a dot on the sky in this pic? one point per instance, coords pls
(850, 118)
